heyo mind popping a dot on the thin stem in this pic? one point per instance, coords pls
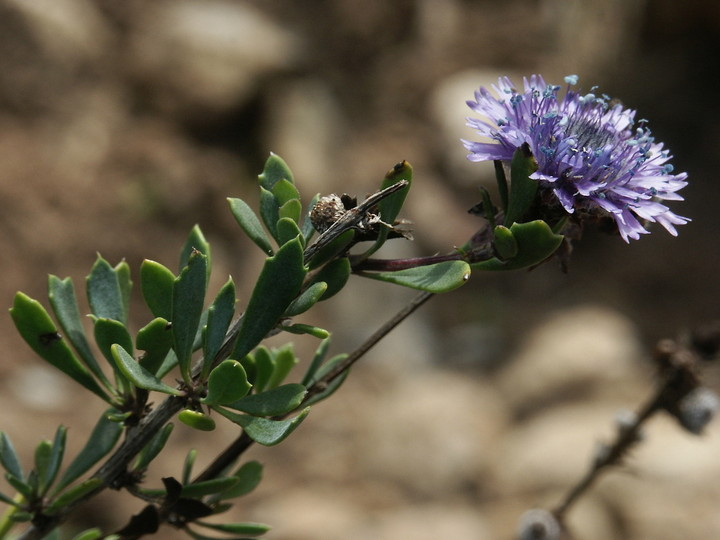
(243, 442)
(320, 385)
(393, 265)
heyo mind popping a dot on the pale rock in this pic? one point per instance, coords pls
(208, 54)
(575, 351)
(449, 109)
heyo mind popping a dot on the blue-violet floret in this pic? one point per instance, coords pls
(591, 153)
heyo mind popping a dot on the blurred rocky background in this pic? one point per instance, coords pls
(122, 124)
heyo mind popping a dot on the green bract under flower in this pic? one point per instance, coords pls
(591, 154)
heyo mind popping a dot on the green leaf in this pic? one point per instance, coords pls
(250, 223)
(263, 430)
(501, 183)
(279, 400)
(248, 477)
(284, 360)
(196, 420)
(333, 385)
(188, 465)
(522, 187)
(73, 494)
(264, 365)
(275, 170)
(48, 457)
(208, 487)
(309, 329)
(138, 375)
(61, 293)
(90, 534)
(122, 271)
(308, 229)
(153, 448)
(220, 316)
(38, 330)
(227, 383)
(287, 230)
(9, 458)
(102, 440)
(505, 244)
(535, 243)
(196, 242)
(269, 211)
(156, 282)
(11, 502)
(318, 358)
(188, 300)
(278, 285)
(108, 332)
(307, 299)
(105, 293)
(389, 207)
(435, 278)
(155, 338)
(336, 274)
(21, 486)
(284, 192)
(252, 529)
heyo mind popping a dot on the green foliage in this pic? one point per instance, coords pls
(522, 187)
(138, 375)
(188, 300)
(227, 383)
(535, 242)
(277, 401)
(38, 330)
(226, 369)
(102, 440)
(196, 420)
(277, 286)
(108, 290)
(157, 282)
(435, 278)
(264, 430)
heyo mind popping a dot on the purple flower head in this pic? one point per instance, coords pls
(591, 154)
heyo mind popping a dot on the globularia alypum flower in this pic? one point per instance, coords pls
(591, 154)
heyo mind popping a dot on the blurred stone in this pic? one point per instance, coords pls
(306, 128)
(575, 351)
(449, 109)
(553, 449)
(208, 55)
(432, 432)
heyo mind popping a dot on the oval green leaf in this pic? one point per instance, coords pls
(227, 383)
(106, 296)
(250, 223)
(275, 170)
(102, 440)
(307, 299)
(435, 278)
(263, 430)
(38, 330)
(280, 400)
(196, 420)
(219, 317)
(156, 283)
(188, 300)
(138, 375)
(278, 285)
(535, 242)
(522, 187)
(61, 293)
